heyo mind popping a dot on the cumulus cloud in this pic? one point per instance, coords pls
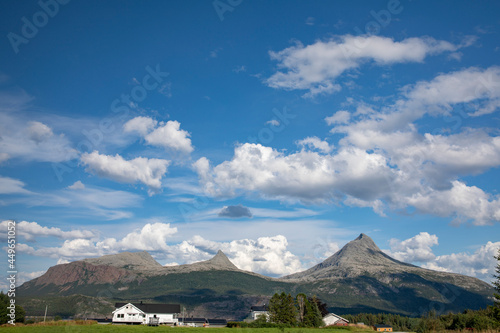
(141, 125)
(39, 132)
(78, 185)
(382, 161)
(151, 237)
(32, 141)
(305, 175)
(480, 264)
(138, 170)
(265, 255)
(168, 135)
(315, 143)
(317, 67)
(339, 117)
(235, 211)
(472, 85)
(418, 249)
(31, 230)
(415, 249)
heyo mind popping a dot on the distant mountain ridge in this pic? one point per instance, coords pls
(357, 278)
(362, 256)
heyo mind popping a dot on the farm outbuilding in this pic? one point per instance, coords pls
(383, 328)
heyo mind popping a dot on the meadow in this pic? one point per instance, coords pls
(77, 328)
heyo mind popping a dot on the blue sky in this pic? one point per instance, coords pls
(275, 131)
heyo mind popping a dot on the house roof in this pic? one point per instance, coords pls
(336, 316)
(153, 308)
(383, 326)
(259, 308)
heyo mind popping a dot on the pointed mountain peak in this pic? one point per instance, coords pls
(221, 260)
(357, 256)
(364, 240)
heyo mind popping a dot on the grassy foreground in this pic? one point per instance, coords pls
(70, 328)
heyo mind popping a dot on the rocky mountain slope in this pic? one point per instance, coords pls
(362, 257)
(358, 278)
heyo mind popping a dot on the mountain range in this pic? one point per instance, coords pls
(357, 278)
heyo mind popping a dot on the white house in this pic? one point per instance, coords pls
(333, 319)
(146, 314)
(256, 311)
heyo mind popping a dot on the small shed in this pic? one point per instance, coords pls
(332, 319)
(383, 328)
(259, 310)
(193, 322)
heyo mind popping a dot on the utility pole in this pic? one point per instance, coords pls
(45, 316)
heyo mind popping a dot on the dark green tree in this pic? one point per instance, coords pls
(4, 303)
(496, 282)
(313, 317)
(282, 309)
(323, 307)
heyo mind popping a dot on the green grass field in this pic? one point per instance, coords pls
(141, 328)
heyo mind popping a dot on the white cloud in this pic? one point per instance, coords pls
(12, 186)
(39, 132)
(306, 176)
(273, 122)
(315, 143)
(415, 249)
(31, 230)
(383, 162)
(32, 141)
(170, 136)
(151, 237)
(316, 67)
(472, 85)
(461, 201)
(418, 249)
(167, 135)
(78, 185)
(266, 255)
(141, 125)
(139, 170)
(480, 264)
(339, 117)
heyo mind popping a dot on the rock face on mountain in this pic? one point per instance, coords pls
(123, 268)
(355, 258)
(127, 260)
(361, 257)
(358, 278)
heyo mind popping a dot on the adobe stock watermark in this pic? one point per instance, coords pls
(223, 6)
(120, 107)
(30, 27)
(11, 272)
